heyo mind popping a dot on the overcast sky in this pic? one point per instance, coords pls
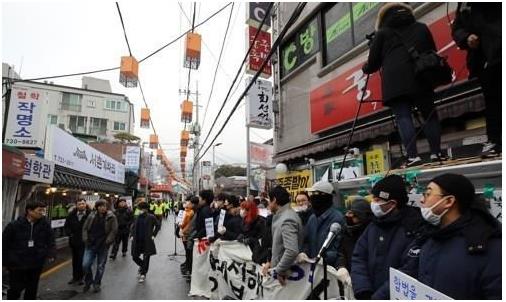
(52, 38)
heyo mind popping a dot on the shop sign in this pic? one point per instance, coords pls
(57, 223)
(259, 52)
(132, 158)
(336, 102)
(68, 151)
(26, 122)
(261, 154)
(375, 161)
(12, 163)
(295, 182)
(300, 47)
(38, 169)
(259, 105)
(256, 13)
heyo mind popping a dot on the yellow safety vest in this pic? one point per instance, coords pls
(159, 209)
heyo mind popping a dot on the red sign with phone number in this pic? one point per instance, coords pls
(336, 102)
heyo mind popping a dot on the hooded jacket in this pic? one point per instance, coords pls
(111, 227)
(396, 31)
(381, 246)
(152, 227)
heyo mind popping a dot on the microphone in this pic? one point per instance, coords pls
(335, 229)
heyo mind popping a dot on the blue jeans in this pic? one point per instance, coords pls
(402, 109)
(89, 257)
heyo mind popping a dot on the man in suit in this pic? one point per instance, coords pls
(287, 234)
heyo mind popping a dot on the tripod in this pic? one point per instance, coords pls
(175, 254)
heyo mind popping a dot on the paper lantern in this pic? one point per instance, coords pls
(192, 51)
(186, 111)
(153, 141)
(185, 138)
(144, 118)
(129, 70)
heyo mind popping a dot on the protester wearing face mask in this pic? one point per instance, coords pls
(461, 257)
(385, 239)
(253, 226)
(232, 223)
(303, 207)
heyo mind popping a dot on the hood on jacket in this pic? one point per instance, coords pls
(394, 14)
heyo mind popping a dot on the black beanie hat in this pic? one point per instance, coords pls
(391, 187)
(361, 208)
(458, 186)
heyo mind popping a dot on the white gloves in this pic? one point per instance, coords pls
(344, 276)
(222, 230)
(302, 257)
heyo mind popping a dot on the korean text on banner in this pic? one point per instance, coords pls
(26, 121)
(295, 181)
(259, 105)
(404, 287)
(132, 158)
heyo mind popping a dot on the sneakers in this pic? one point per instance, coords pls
(142, 278)
(489, 150)
(72, 281)
(413, 162)
(139, 273)
(439, 157)
(96, 288)
(112, 257)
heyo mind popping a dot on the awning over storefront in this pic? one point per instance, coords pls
(77, 180)
(382, 125)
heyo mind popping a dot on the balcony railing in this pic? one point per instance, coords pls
(70, 107)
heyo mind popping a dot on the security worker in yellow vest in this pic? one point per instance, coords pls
(165, 208)
(158, 210)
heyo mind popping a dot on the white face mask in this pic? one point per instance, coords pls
(376, 209)
(430, 217)
(242, 213)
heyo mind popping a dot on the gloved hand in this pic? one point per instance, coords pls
(301, 257)
(344, 276)
(222, 230)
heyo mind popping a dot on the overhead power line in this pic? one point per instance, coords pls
(115, 68)
(237, 74)
(291, 21)
(124, 30)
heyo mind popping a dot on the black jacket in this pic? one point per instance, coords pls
(200, 221)
(125, 218)
(152, 229)
(483, 20)
(15, 251)
(388, 53)
(350, 237)
(264, 251)
(74, 228)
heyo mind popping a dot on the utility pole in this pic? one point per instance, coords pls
(248, 164)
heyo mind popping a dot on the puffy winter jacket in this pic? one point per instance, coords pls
(381, 246)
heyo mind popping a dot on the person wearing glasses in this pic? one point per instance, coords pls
(383, 243)
(461, 254)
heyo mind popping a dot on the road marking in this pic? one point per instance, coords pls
(54, 269)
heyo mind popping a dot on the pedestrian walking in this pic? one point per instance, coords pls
(26, 243)
(99, 232)
(385, 239)
(125, 218)
(461, 255)
(396, 31)
(477, 30)
(74, 229)
(144, 231)
(158, 210)
(287, 234)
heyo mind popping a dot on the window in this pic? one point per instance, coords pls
(92, 103)
(71, 102)
(52, 119)
(77, 124)
(321, 170)
(116, 105)
(118, 126)
(98, 126)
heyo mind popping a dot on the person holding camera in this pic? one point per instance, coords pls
(396, 32)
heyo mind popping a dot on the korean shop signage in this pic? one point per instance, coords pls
(38, 169)
(256, 13)
(259, 52)
(295, 181)
(259, 105)
(300, 47)
(26, 122)
(68, 151)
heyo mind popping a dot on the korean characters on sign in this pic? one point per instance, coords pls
(25, 122)
(259, 105)
(295, 182)
(38, 169)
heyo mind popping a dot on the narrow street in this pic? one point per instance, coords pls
(163, 281)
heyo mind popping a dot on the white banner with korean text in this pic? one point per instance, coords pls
(38, 169)
(230, 273)
(68, 151)
(259, 104)
(27, 118)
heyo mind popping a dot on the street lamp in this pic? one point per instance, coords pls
(214, 167)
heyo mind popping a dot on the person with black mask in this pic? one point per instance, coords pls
(358, 217)
(477, 30)
(231, 228)
(318, 225)
(385, 240)
(125, 218)
(396, 31)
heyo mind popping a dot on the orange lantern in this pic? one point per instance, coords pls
(144, 118)
(184, 152)
(186, 111)
(182, 159)
(153, 141)
(129, 71)
(185, 137)
(192, 51)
